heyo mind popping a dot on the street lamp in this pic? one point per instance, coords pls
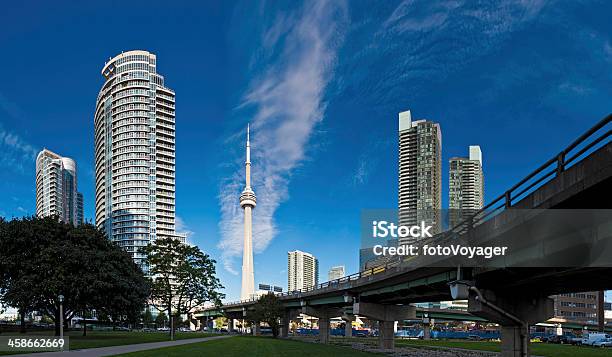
(61, 317)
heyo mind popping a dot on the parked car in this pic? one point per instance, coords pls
(562, 339)
(606, 342)
(591, 338)
(163, 329)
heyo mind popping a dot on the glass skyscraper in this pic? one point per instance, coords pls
(465, 186)
(56, 188)
(420, 166)
(135, 153)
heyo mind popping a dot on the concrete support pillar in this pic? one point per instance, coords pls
(386, 337)
(284, 330)
(230, 325)
(426, 331)
(515, 341)
(256, 328)
(386, 316)
(348, 328)
(324, 315)
(514, 312)
(286, 322)
(324, 329)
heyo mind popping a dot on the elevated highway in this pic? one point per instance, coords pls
(512, 291)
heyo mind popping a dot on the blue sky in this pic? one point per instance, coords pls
(321, 84)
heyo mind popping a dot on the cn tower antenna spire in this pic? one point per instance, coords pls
(248, 202)
(248, 146)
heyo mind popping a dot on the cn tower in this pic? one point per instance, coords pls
(248, 202)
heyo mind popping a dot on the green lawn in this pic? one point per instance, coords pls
(112, 338)
(539, 349)
(251, 346)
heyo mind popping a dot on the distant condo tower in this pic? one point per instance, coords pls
(336, 273)
(420, 166)
(56, 188)
(466, 185)
(302, 271)
(134, 140)
(248, 202)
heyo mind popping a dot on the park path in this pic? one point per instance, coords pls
(116, 350)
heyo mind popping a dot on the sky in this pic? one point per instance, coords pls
(321, 84)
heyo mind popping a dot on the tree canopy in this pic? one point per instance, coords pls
(42, 258)
(268, 309)
(183, 278)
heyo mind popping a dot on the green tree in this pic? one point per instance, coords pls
(161, 320)
(183, 277)
(43, 258)
(147, 317)
(19, 286)
(268, 309)
(127, 289)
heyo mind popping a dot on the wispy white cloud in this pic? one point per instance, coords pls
(288, 98)
(575, 88)
(15, 153)
(10, 107)
(181, 227)
(14, 150)
(362, 173)
(406, 17)
(369, 160)
(495, 18)
(428, 41)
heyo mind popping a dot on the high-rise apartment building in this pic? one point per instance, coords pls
(80, 215)
(336, 273)
(577, 307)
(466, 185)
(56, 188)
(420, 166)
(302, 270)
(134, 140)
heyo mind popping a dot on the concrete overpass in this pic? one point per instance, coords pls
(514, 293)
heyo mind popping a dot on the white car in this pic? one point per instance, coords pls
(606, 342)
(592, 338)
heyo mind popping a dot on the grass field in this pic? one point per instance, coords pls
(251, 346)
(111, 338)
(540, 349)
